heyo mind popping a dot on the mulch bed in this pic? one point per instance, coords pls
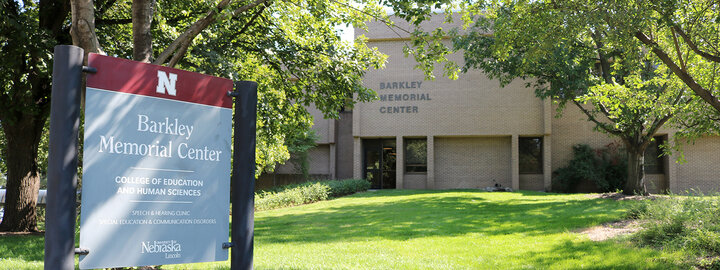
(621, 197)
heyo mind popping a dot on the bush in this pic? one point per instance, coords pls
(690, 224)
(612, 167)
(605, 167)
(307, 192)
(581, 166)
(339, 188)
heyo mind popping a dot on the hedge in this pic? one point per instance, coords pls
(307, 192)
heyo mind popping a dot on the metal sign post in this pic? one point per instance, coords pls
(62, 158)
(243, 175)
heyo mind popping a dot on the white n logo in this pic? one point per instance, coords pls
(166, 82)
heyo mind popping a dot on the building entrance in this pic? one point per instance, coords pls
(379, 156)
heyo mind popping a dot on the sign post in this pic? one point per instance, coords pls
(62, 158)
(156, 165)
(243, 175)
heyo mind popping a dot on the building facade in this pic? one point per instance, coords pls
(470, 133)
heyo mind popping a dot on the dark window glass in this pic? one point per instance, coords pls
(530, 154)
(415, 155)
(654, 162)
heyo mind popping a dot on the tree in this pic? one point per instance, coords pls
(575, 54)
(28, 32)
(683, 34)
(290, 47)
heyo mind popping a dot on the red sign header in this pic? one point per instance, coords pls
(122, 75)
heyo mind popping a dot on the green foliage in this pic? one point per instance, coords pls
(605, 167)
(307, 192)
(581, 166)
(339, 188)
(3, 157)
(612, 164)
(300, 144)
(291, 48)
(294, 196)
(563, 45)
(579, 52)
(711, 263)
(686, 223)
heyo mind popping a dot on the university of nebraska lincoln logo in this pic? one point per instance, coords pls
(166, 82)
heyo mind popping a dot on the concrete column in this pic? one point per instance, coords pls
(547, 144)
(399, 162)
(430, 184)
(332, 137)
(333, 154)
(671, 168)
(547, 162)
(515, 162)
(356, 118)
(547, 116)
(357, 158)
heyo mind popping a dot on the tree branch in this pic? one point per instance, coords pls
(604, 64)
(142, 13)
(103, 6)
(53, 14)
(248, 7)
(186, 44)
(694, 47)
(677, 50)
(252, 20)
(601, 125)
(83, 26)
(684, 76)
(112, 21)
(190, 33)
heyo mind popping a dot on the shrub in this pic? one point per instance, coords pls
(581, 166)
(308, 192)
(339, 188)
(605, 167)
(294, 196)
(612, 167)
(691, 224)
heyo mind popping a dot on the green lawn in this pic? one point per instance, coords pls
(403, 229)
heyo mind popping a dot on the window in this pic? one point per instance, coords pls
(654, 162)
(415, 155)
(530, 154)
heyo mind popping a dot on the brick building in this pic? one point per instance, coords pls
(469, 133)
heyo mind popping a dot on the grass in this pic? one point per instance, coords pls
(21, 252)
(406, 229)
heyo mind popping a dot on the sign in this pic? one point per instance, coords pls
(400, 99)
(156, 165)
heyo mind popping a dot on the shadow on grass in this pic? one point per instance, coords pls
(598, 255)
(24, 247)
(453, 213)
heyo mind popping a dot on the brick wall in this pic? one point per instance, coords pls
(532, 182)
(702, 169)
(472, 162)
(415, 181)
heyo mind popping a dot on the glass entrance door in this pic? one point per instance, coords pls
(379, 157)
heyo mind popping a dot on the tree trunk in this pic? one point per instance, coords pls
(142, 12)
(23, 138)
(83, 26)
(635, 173)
